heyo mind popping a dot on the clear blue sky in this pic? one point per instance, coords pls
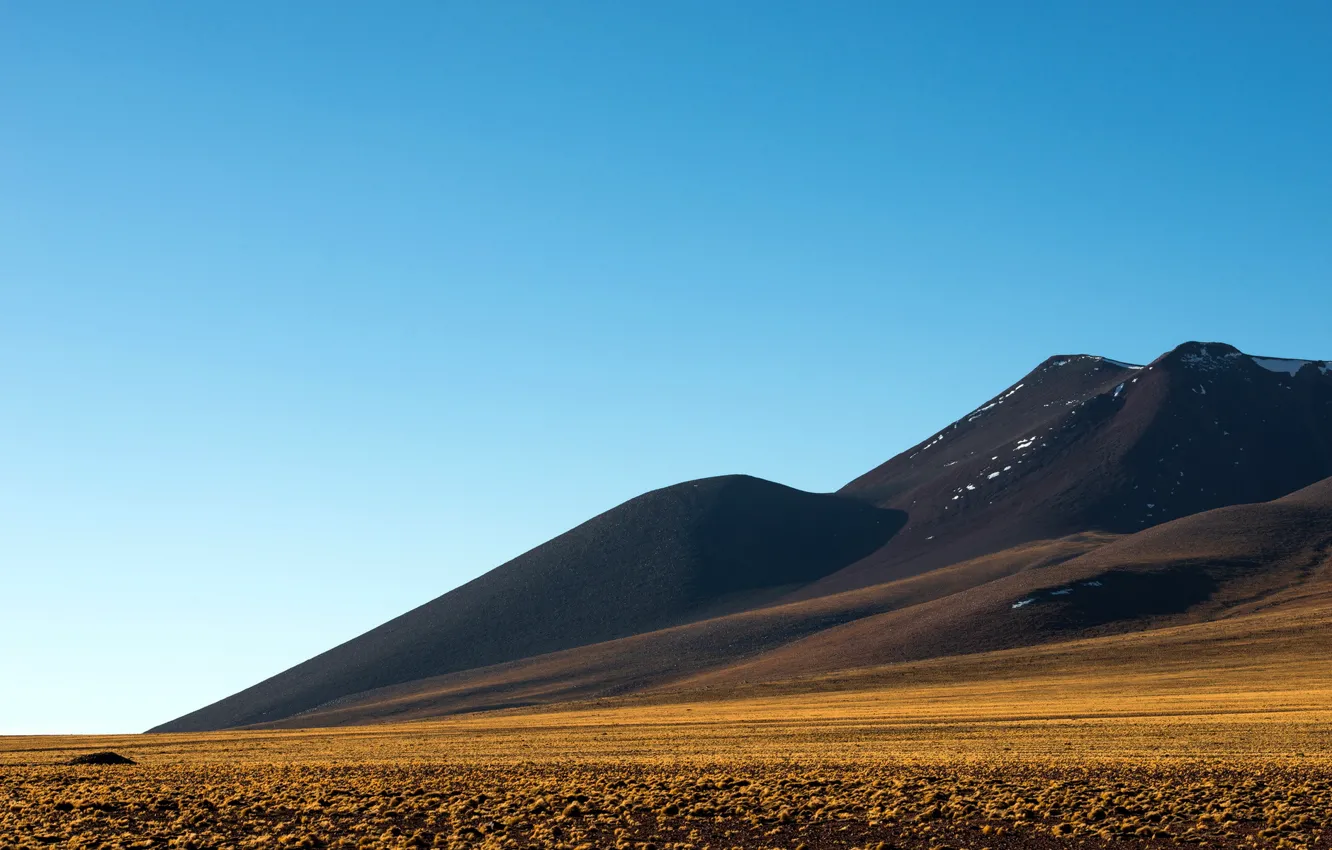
(311, 311)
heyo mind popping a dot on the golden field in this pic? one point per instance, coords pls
(1215, 734)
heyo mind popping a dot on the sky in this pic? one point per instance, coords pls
(311, 311)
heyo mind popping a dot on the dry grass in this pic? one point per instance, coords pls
(1211, 735)
(585, 805)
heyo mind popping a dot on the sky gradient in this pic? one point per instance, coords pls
(310, 312)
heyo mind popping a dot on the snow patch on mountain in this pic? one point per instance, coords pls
(1287, 365)
(1209, 360)
(1120, 363)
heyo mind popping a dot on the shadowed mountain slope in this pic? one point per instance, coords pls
(683, 552)
(662, 658)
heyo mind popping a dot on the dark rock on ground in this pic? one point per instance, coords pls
(102, 758)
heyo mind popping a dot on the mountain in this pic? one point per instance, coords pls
(685, 552)
(1090, 496)
(1085, 443)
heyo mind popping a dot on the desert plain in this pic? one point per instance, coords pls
(1213, 734)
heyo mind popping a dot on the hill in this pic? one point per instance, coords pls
(681, 553)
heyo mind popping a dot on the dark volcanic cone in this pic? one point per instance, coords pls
(682, 553)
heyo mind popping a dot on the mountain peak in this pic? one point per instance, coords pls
(1217, 356)
(1059, 360)
(1200, 355)
(1196, 348)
